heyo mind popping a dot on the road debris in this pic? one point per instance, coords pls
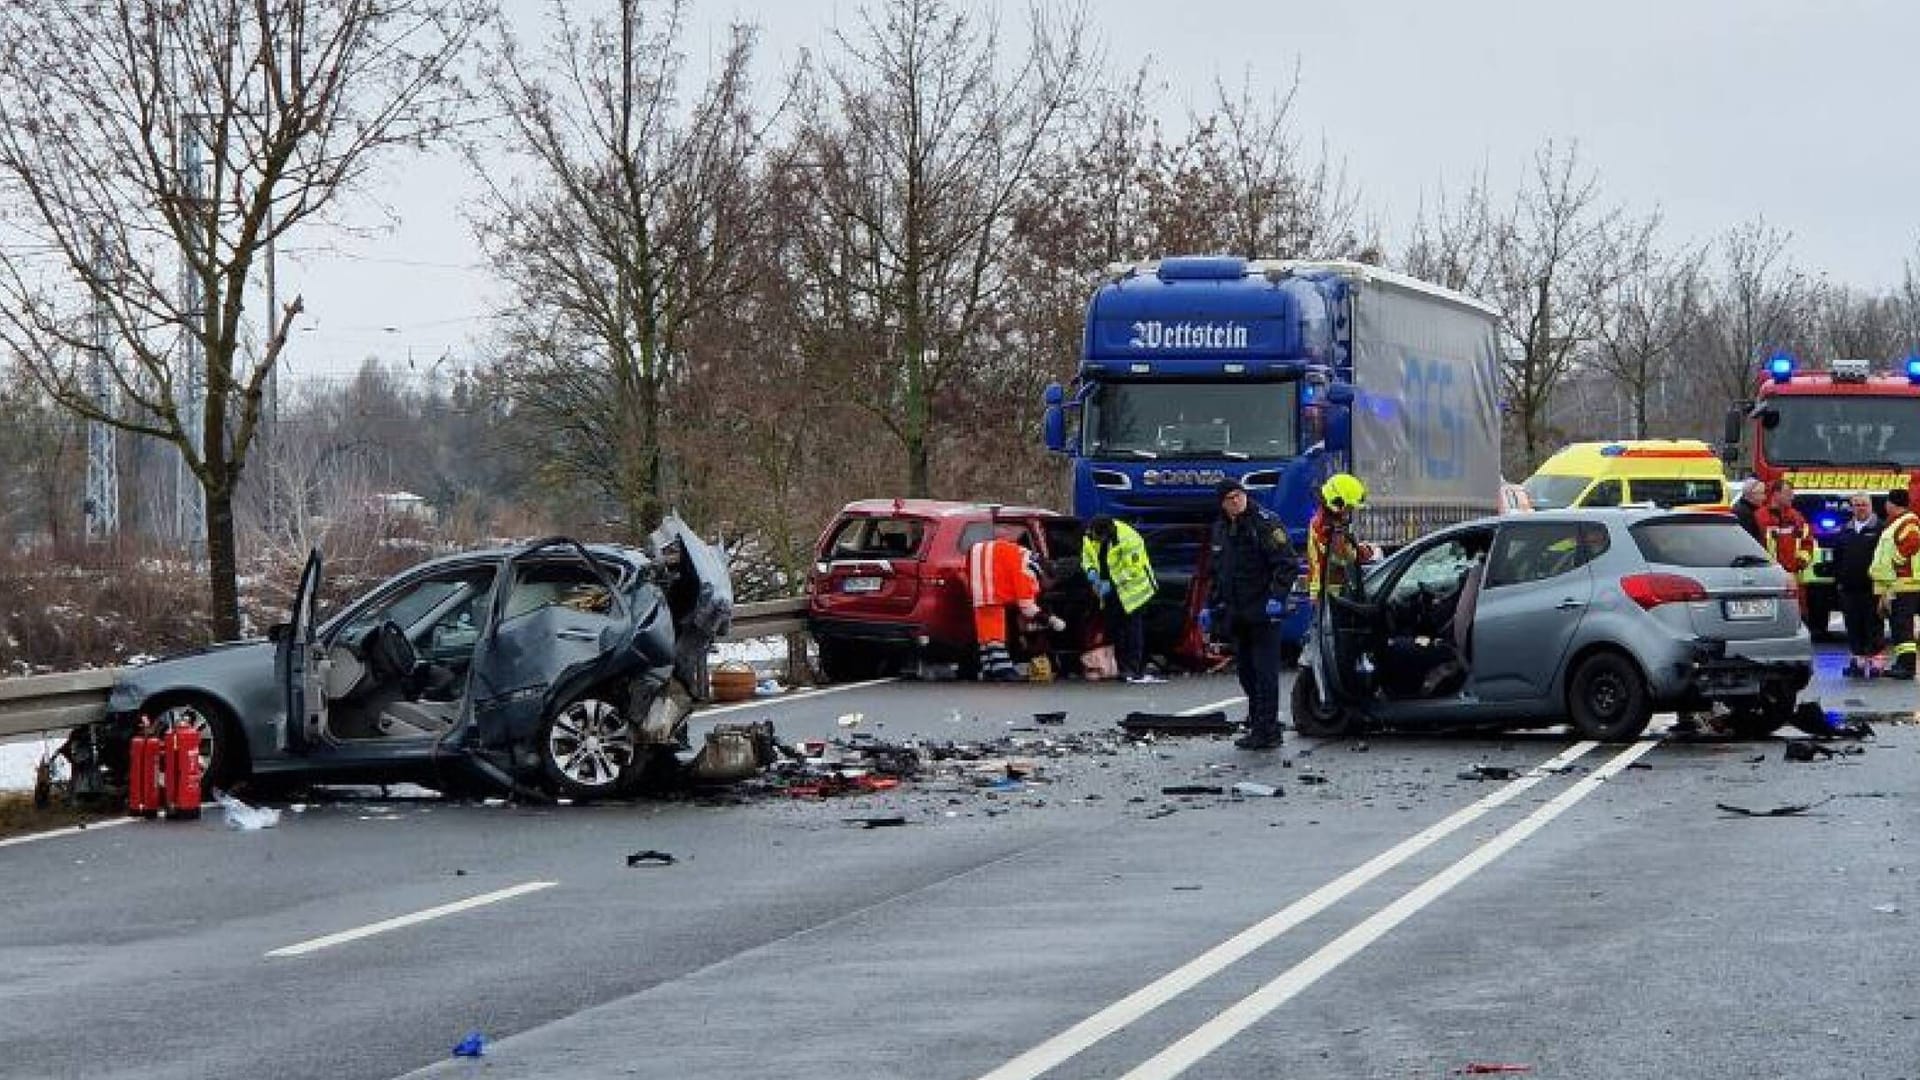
(885, 821)
(473, 1046)
(246, 818)
(1487, 1068)
(1254, 790)
(1788, 810)
(1886, 909)
(650, 857)
(1208, 723)
(850, 720)
(1806, 750)
(1488, 772)
(1050, 718)
(1193, 789)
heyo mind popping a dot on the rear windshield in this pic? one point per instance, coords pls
(877, 538)
(1698, 541)
(1697, 491)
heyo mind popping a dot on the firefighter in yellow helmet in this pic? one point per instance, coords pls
(1332, 552)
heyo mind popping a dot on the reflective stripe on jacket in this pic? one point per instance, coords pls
(1893, 569)
(1320, 540)
(1788, 538)
(1128, 566)
(998, 573)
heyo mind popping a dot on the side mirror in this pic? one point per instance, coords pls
(1340, 394)
(1053, 424)
(1769, 418)
(1054, 395)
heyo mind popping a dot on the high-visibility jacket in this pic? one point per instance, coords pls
(1894, 567)
(999, 573)
(1127, 566)
(1328, 541)
(1788, 538)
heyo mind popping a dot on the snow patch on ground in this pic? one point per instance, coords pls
(763, 653)
(17, 760)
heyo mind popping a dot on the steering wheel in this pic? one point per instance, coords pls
(392, 655)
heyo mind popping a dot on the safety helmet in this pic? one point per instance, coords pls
(1343, 491)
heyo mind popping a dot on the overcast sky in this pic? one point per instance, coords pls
(1714, 112)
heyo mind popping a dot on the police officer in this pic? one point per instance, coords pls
(1254, 567)
(1115, 560)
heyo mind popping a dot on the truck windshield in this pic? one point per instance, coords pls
(1193, 420)
(1859, 431)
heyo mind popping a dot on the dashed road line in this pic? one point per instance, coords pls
(413, 919)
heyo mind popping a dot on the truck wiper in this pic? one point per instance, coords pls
(1139, 453)
(1237, 455)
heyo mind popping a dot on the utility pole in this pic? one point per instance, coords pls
(103, 476)
(190, 510)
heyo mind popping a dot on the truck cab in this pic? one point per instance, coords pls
(1276, 374)
(1831, 432)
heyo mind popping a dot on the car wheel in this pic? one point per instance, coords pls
(587, 749)
(846, 661)
(223, 751)
(1313, 717)
(1607, 698)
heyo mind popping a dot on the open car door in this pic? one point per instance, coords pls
(700, 595)
(297, 660)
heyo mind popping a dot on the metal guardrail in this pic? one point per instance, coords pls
(57, 702)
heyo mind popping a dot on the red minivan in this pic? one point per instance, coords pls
(889, 580)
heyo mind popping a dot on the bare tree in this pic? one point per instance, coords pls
(1760, 303)
(625, 229)
(1555, 257)
(1453, 244)
(144, 143)
(912, 158)
(1646, 316)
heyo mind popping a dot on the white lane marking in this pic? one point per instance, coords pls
(71, 830)
(763, 703)
(399, 921)
(1128, 1009)
(1249, 1010)
(1223, 703)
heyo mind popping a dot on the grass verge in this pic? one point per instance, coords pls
(18, 815)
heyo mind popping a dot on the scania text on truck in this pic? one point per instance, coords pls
(1831, 433)
(1278, 374)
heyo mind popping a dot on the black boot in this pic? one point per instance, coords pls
(1259, 739)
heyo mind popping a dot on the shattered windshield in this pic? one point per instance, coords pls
(1837, 430)
(1193, 420)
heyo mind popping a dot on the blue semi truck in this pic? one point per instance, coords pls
(1279, 374)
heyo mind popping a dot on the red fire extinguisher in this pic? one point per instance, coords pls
(143, 771)
(182, 770)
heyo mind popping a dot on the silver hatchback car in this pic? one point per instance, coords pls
(1598, 618)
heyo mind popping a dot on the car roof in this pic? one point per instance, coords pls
(941, 508)
(1623, 515)
(1636, 458)
(614, 551)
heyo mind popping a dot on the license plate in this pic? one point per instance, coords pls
(860, 585)
(1750, 609)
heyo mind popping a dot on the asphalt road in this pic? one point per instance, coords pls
(1601, 920)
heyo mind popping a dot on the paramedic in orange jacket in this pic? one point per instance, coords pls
(999, 573)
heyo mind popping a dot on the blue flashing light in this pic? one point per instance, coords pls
(1780, 367)
(1913, 369)
(1828, 524)
(1612, 450)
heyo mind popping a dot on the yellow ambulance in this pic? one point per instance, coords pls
(1657, 472)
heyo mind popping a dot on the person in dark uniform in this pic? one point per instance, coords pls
(1254, 566)
(1852, 562)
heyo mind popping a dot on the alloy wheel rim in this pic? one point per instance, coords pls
(590, 744)
(188, 716)
(1607, 696)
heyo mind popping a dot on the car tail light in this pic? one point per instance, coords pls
(1652, 590)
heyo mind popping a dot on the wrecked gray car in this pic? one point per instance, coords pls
(556, 667)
